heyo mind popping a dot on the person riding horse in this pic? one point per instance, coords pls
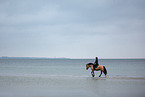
(96, 67)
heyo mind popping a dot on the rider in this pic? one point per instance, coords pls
(96, 63)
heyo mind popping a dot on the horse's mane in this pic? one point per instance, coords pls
(90, 64)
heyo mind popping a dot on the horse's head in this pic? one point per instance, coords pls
(88, 65)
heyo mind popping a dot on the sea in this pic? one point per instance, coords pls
(69, 78)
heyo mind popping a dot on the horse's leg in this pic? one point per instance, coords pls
(93, 74)
(100, 74)
(104, 74)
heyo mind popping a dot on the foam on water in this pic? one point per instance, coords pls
(73, 76)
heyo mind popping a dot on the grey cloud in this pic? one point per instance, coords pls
(72, 28)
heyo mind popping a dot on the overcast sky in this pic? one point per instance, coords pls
(72, 28)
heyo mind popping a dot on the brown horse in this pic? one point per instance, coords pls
(94, 68)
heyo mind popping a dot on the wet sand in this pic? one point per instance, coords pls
(71, 86)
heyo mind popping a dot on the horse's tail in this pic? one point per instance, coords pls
(105, 70)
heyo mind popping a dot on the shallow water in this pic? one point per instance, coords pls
(68, 78)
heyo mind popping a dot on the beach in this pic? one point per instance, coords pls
(50, 78)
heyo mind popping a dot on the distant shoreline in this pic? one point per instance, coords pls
(29, 58)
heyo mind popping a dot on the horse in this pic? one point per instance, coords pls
(96, 68)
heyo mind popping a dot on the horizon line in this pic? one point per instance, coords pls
(7, 57)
